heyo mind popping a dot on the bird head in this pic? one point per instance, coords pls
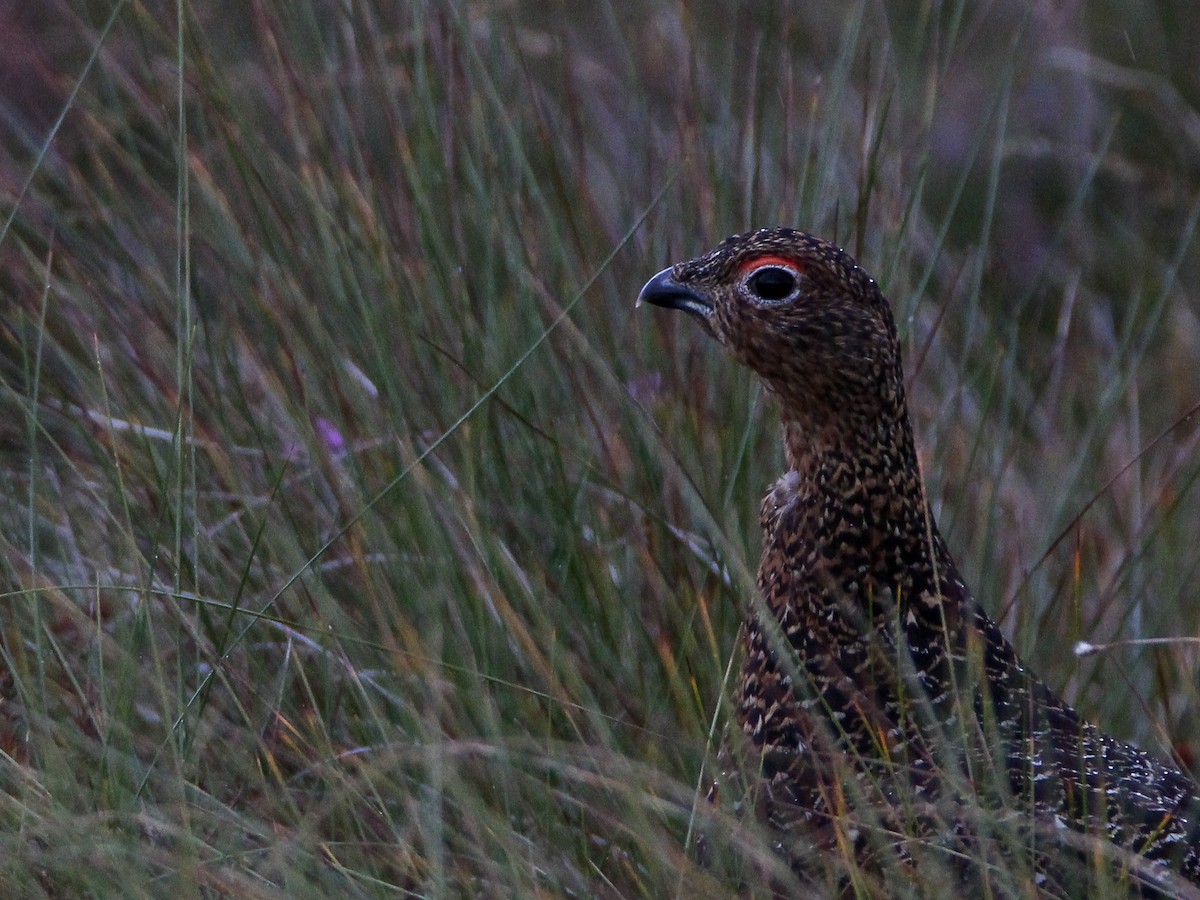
(801, 313)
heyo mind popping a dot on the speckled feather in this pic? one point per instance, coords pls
(856, 579)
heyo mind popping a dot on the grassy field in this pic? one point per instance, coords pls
(359, 538)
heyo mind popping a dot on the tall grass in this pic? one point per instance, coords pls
(359, 537)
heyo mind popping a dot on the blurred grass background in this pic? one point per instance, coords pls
(358, 536)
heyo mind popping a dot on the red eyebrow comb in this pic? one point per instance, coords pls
(768, 259)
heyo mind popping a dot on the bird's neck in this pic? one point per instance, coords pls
(853, 501)
(871, 443)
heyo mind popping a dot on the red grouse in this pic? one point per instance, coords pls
(868, 654)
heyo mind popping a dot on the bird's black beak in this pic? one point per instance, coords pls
(664, 290)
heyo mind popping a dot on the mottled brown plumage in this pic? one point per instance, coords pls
(895, 668)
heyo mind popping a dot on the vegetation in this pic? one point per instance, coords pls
(359, 538)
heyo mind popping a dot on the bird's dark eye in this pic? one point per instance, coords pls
(772, 283)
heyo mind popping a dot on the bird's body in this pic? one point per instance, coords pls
(868, 668)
